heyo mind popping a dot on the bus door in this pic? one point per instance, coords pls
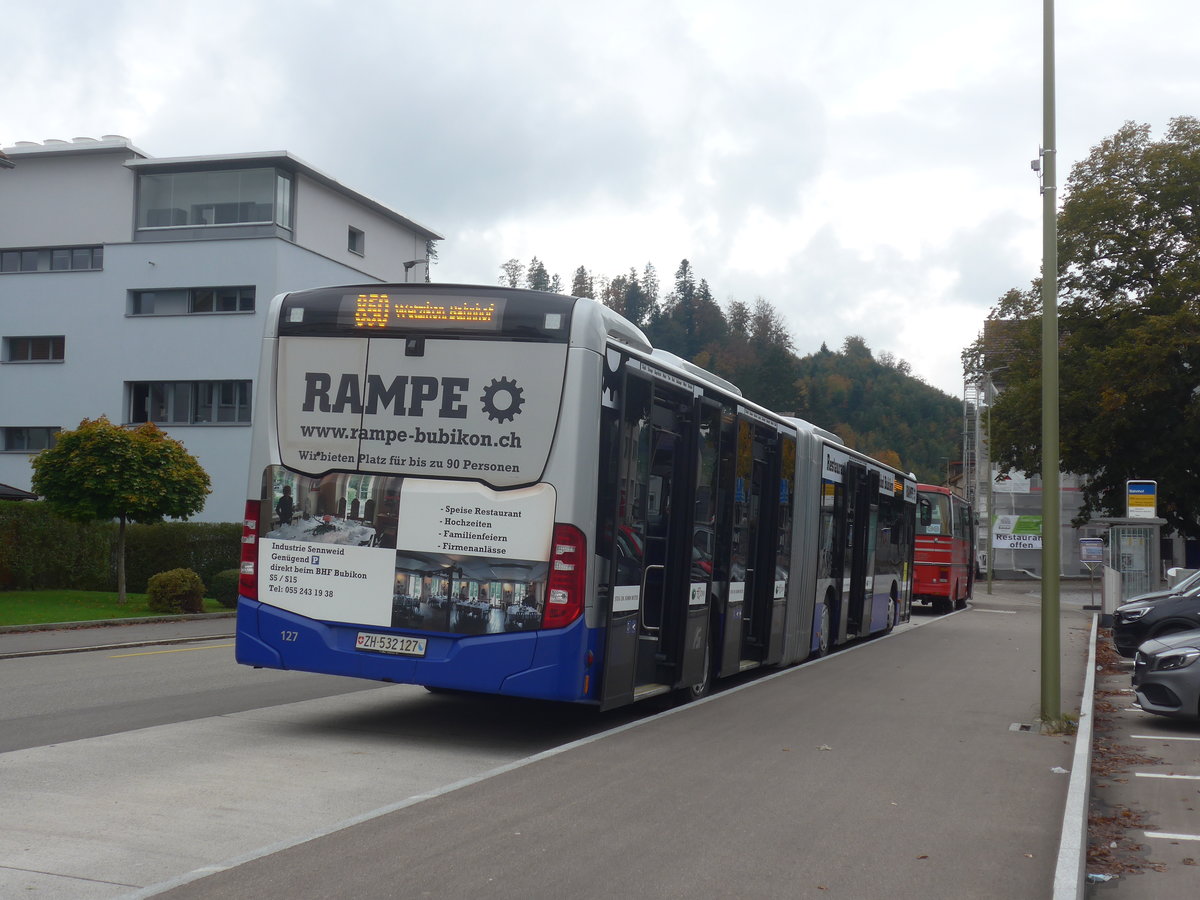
(654, 641)
(862, 495)
(746, 488)
(759, 619)
(782, 498)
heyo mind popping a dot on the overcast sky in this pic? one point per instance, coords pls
(863, 166)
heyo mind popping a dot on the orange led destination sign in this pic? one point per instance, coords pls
(383, 311)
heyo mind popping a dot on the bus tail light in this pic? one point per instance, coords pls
(248, 580)
(568, 575)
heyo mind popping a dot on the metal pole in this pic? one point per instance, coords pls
(1051, 536)
(991, 515)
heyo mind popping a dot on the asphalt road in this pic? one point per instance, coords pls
(886, 771)
(75, 696)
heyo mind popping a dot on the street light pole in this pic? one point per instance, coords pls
(1051, 534)
(989, 391)
(991, 513)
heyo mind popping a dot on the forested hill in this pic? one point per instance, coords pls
(875, 405)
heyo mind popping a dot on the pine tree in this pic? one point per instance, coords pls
(581, 284)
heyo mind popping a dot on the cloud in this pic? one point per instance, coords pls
(865, 168)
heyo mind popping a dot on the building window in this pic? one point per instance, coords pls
(35, 349)
(52, 259)
(356, 242)
(191, 301)
(190, 402)
(29, 440)
(204, 199)
(283, 199)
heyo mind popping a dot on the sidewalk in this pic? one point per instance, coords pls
(73, 637)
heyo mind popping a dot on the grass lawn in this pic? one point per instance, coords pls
(41, 607)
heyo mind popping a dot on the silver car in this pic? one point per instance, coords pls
(1166, 675)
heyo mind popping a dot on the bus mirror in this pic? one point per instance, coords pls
(926, 512)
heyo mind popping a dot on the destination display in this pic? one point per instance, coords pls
(381, 311)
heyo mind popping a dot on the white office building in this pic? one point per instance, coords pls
(135, 288)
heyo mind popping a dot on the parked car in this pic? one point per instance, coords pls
(1141, 619)
(1166, 675)
(1183, 587)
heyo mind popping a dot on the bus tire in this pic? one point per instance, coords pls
(961, 602)
(893, 613)
(704, 688)
(826, 627)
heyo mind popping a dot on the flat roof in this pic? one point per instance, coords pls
(143, 162)
(279, 159)
(75, 147)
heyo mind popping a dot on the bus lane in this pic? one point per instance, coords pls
(889, 770)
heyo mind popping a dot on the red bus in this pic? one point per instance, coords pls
(944, 568)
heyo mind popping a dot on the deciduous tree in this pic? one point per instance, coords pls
(104, 471)
(1129, 329)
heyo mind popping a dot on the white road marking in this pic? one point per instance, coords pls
(1162, 737)
(1172, 837)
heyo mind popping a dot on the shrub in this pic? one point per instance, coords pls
(176, 591)
(224, 587)
(41, 550)
(204, 547)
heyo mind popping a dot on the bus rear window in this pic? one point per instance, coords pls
(940, 523)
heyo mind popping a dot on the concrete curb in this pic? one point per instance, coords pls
(121, 645)
(110, 623)
(1070, 876)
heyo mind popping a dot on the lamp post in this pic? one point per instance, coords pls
(1051, 536)
(989, 392)
(409, 265)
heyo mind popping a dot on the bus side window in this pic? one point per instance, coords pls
(926, 512)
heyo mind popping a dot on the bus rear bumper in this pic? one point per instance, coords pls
(542, 664)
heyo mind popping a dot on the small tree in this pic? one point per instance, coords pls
(103, 471)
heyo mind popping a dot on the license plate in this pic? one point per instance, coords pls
(390, 643)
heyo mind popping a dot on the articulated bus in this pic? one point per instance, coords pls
(945, 553)
(513, 492)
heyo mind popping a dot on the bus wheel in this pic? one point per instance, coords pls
(960, 602)
(825, 625)
(891, 616)
(698, 691)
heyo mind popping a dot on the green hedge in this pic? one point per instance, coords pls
(204, 547)
(40, 550)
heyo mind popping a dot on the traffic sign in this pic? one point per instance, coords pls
(1141, 499)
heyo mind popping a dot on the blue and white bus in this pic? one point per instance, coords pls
(509, 491)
